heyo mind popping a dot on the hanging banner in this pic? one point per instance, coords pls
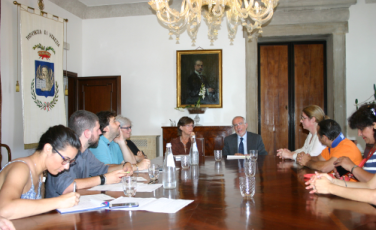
(41, 73)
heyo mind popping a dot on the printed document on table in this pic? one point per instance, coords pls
(161, 205)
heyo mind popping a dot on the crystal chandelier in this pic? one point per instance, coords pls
(251, 14)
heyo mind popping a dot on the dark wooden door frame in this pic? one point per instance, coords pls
(291, 101)
(73, 94)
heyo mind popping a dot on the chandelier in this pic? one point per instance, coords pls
(251, 14)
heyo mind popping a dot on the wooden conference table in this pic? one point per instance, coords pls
(280, 202)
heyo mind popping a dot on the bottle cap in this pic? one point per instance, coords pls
(168, 145)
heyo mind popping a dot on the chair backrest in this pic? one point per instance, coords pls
(9, 153)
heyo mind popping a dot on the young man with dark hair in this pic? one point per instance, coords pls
(112, 148)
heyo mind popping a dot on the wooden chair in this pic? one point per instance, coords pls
(9, 153)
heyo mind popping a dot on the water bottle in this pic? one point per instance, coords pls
(194, 152)
(169, 171)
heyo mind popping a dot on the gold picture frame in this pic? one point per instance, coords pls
(194, 68)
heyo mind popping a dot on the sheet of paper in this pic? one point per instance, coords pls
(86, 204)
(161, 205)
(235, 157)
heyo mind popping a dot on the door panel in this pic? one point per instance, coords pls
(274, 96)
(309, 83)
(291, 77)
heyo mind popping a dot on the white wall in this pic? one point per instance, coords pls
(360, 57)
(138, 49)
(11, 120)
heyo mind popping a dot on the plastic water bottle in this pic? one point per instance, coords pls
(194, 152)
(169, 170)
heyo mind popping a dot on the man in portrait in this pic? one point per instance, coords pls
(194, 82)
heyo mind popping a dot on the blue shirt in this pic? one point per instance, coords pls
(244, 142)
(108, 152)
(86, 165)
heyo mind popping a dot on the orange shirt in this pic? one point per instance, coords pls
(345, 148)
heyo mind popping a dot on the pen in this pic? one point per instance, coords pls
(74, 186)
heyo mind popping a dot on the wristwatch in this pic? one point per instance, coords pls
(103, 179)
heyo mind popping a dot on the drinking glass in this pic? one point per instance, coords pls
(253, 154)
(247, 187)
(129, 186)
(218, 155)
(153, 172)
(250, 167)
(185, 161)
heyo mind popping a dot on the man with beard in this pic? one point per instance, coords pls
(112, 148)
(87, 171)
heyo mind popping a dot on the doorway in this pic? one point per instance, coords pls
(292, 75)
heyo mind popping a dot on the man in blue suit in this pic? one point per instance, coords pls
(242, 141)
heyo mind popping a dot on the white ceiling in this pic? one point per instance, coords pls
(109, 2)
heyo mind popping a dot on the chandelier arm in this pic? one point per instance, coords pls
(264, 13)
(174, 12)
(166, 22)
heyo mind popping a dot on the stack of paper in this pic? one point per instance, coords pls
(161, 205)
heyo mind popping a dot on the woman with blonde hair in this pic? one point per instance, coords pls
(310, 117)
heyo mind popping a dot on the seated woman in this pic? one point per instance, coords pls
(21, 179)
(364, 120)
(126, 129)
(182, 144)
(310, 117)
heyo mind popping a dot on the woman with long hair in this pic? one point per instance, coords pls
(21, 179)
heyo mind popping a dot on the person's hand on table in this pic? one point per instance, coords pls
(128, 169)
(115, 176)
(144, 164)
(303, 158)
(6, 224)
(69, 200)
(319, 183)
(345, 162)
(284, 154)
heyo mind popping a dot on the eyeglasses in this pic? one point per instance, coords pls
(190, 125)
(66, 160)
(236, 125)
(127, 128)
(303, 118)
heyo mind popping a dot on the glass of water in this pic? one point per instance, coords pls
(218, 155)
(129, 185)
(247, 187)
(250, 167)
(253, 154)
(185, 161)
(153, 172)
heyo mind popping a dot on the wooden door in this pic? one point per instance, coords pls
(291, 77)
(309, 81)
(273, 112)
(95, 94)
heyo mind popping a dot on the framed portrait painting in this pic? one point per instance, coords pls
(196, 69)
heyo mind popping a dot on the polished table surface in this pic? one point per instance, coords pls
(280, 202)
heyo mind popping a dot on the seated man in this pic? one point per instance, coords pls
(112, 147)
(330, 135)
(242, 141)
(87, 171)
